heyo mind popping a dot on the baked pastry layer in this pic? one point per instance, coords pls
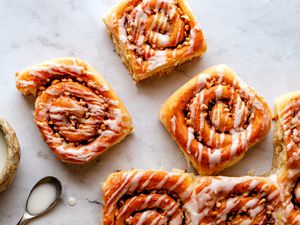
(9, 170)
(76, 110)
(157, 197)
(152, 37)
(289, 183)
(286, 162)
(215, 118)
(287, 131)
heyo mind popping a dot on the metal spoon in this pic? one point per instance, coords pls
(46, 180)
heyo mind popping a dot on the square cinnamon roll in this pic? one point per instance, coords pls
(215, 118)
(77, 112)
(152, 37)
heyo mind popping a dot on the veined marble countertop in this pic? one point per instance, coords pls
(259, 39)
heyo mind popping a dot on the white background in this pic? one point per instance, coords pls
(259, 39)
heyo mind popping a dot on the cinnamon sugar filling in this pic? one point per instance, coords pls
(160, 211)
(74, 119)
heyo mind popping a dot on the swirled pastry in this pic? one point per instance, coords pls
(289, 182)
(12, 159)
(215, 118)
(76, 111)
(237, 200)
(287, 154)
(154, 36)
(156, 197)
(287, 131)
(146, 197)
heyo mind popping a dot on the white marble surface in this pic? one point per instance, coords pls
(257, 38)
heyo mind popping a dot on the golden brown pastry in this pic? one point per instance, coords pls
(215, 118)
(287, 154)
(146, 197)
(289, 182)
(7, 173)
(76, 111)
(152, 37)
(287, 131)
(238, 200)
(140, 197)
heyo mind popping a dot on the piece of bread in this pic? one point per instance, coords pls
(215, 118)
(152, 37)
(77, 112)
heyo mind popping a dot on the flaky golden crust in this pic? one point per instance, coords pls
(13, 155)
(152, 37)
(77, 112)
(140, 197)
(215, 118)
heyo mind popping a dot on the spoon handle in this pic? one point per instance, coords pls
(25, 218)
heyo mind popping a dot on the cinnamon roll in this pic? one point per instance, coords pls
(140, 197)
(215, 118)
(77, 112)
(237, 200)
(287, 131)
(289, 182)
(146, 197)
(152, 37)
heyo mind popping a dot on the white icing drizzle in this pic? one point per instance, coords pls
(289, 118)
(190, 139)
(235, 144)
(178, 183)
(239, 111)
(230, 128)
(200, 152)
(92, 106)
(200, 202)
(157, 60)
(220, 187)
(144, 217)
(173, 122)
(214, 157)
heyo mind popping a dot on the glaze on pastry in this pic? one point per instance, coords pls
(237, 200)
(215, 118)
(76, 111)
(156, 197)
(287, 130)
(286, 162)
(152, 37)
(9, 169)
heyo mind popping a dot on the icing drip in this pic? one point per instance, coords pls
(173, 121)
(147, 209)
(190, 139)
(289, 118)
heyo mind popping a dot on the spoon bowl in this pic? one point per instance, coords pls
(42, 198)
